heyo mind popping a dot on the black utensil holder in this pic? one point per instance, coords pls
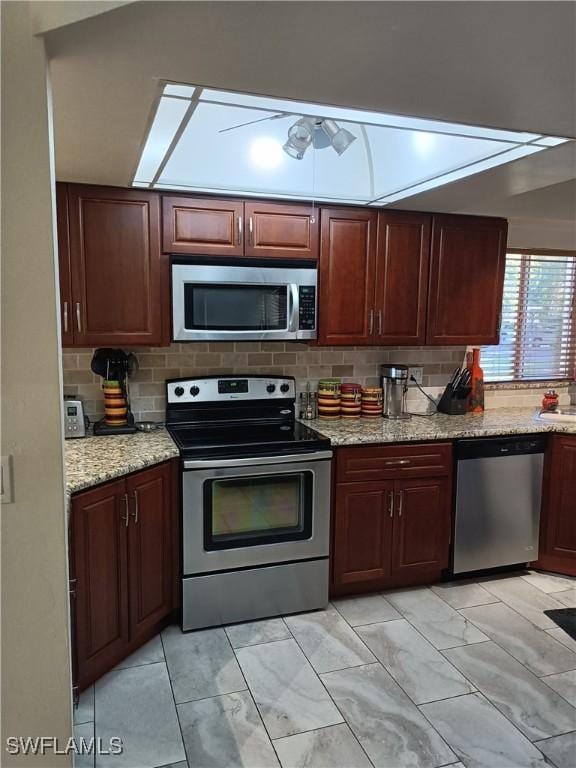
(454, 403)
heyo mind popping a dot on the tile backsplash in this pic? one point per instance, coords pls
(304, 362)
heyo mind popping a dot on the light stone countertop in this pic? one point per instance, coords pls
(94, 460)
(437, 426)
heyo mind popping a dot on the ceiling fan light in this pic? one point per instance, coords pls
(300, 136)
(340, 138)
(293, 151)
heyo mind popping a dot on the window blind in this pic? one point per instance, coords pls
(538, 330)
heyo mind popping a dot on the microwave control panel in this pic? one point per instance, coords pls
(307, 315)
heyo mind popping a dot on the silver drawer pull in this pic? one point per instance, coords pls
(397, 462)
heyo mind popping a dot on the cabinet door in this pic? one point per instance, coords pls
(99, 542)
(362, 533)
(281, 229)
(64, 264)
(558, 527)
(347, 273)
(421, 530)
(466, 280)
(149, 548)
(204, 227)
(117, 281)
(402, 277)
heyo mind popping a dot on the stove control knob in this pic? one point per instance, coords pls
(179, 391)
(194, 391)
(284, 387)
(271, 388)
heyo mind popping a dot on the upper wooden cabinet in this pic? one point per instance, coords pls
(118, 280)
(402, 277)
(467, 262)
(430, 279)
(196, 226)
(558, 523)
(236, 228)
(278, 229)
(347, 270)
(66, 306)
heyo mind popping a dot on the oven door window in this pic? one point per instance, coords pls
(235, 307)
(252, 511)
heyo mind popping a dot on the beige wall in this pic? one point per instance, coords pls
(542, 233)
(35, 634)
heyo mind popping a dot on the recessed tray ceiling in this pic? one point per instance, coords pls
(204, 140)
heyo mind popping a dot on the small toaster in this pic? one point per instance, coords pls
(74, 422)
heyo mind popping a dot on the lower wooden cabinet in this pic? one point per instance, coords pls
(558, 522)
(123, 565)
(391, 532)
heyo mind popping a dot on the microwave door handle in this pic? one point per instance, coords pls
(294, 323)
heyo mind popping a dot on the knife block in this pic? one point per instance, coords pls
(452, 404)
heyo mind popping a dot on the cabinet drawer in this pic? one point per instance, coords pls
(388, 462)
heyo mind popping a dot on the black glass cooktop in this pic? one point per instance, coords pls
(234, 439)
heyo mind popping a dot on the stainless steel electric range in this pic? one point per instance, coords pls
(255, 500)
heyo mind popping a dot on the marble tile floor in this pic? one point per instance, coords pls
(467, 674)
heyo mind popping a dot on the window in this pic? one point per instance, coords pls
(538, 332)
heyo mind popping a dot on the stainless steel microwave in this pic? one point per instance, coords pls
(244, 302)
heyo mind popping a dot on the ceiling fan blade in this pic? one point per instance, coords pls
(252, 122)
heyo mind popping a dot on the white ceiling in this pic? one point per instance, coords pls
(508, 65)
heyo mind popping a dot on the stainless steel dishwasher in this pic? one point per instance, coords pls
(498, 496)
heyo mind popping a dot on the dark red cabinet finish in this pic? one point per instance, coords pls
(402, 277)
(239, 228)
(362, 533)
(392, 524)
(99, 538)
(149, 546)
(281, 230)
(467, 262)
(65, 277)
(204, 227)
(123, 561)
(347, 269)
(558, 524)
(422, 525)
(119, 281)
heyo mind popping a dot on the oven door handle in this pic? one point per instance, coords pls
(255, 461)
(294, 324)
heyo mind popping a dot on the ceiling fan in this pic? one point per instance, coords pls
(319, 131)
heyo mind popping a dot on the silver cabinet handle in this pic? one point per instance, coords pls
(250, 231)
(391, 504)
(65, 317)
(371, 322)
(126, 517)
(239, 229)
(78, 318)
(135, 513)
(400, 503)
(396, 462)
(379, 322)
